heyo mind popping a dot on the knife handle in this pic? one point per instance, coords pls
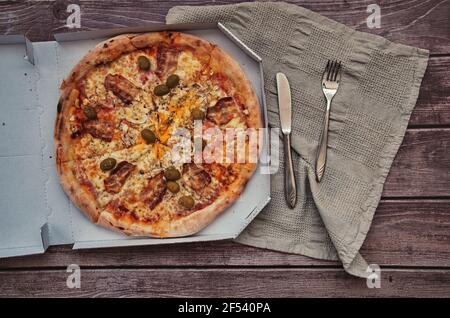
(290, 188)
(322, 151)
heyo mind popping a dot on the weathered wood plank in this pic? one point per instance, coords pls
(433, 103)
(40, 19)
(404, 233)
(422, 165)
(419, 23)
(410, 233)
(224, 283)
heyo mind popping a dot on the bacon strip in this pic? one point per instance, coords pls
(82, 177)
(117, 207)
(99, 129)
(167, 60)
(118, 176)
(121, 87)
(106, 103)
(195, 177)
(224, 111)
(154, 191)
(222, 173)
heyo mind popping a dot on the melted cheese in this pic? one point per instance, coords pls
(237, 122)
(162, 114)
(94, 85)
(188, 66)
(90, 146)
(137, 113)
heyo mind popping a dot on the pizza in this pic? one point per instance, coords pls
(137, 133)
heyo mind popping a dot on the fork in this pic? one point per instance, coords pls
(330, 83)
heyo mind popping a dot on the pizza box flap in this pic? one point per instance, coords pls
(34, 210)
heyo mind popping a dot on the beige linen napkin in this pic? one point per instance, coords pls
(369, 115)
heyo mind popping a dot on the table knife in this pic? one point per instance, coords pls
(284, 104)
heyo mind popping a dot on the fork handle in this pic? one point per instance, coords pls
(322, 151)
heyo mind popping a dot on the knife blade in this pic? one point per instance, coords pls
(284, 102)
(285, 110)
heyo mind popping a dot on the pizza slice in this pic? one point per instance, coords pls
(94, 182)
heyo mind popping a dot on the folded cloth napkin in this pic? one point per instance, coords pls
(369, 115)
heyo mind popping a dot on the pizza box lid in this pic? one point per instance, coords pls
(34, 211)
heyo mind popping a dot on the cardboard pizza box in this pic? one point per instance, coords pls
(34, 211)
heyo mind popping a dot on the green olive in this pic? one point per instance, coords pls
(197, 114)
(108, 164)
(90, 112)
(187, 201)
(144, 63)
(172, 174)
(161, 90)
(173, 186)
(172, 81)
(148, 135)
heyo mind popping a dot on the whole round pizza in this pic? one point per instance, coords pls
(141, 128)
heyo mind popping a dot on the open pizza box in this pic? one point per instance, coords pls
(34, 211)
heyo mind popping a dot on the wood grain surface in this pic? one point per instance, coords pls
(410, 234)
(404, 233)
(229, 282)
(414, 22)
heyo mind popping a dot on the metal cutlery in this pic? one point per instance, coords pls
(330, 84)
(284, 104)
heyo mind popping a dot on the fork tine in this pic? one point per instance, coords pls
(335, 71)
(336, 68)
(327, 69)
(338, 73)
(331, 71)
(329, 64)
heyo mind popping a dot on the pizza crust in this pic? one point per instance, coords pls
(84, 200)
(62, 133)
(109, 50)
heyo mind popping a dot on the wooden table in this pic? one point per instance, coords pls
(410, 235)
